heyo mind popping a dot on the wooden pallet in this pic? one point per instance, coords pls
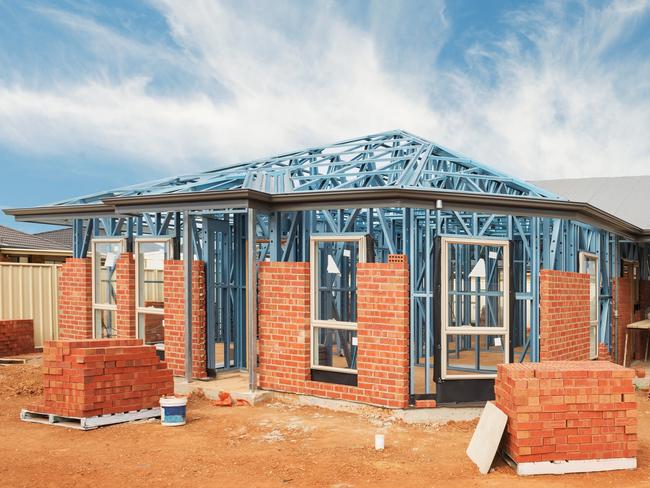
(88, 423)
(13, 360)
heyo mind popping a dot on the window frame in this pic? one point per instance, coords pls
(447, 330)
(139, 310)
(103, 306)
(314, 322)
(583, 257)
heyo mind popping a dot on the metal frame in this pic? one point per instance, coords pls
(394, 159)
(401, 190)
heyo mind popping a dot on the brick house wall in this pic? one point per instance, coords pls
(564, 316)
(75, 299)
(16, 337)
(622, 303)
(382, 332)
(627, 315)
(644, 297)
(125, 291)
(174, 293)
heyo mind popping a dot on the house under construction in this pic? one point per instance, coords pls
(383, 269)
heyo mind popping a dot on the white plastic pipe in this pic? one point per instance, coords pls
(379, 442)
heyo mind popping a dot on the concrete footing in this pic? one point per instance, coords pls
(427, 416)
(236, 385)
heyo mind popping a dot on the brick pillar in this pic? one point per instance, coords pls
(563, 316)
(125, 289)
(75, 299)
(644, 297)
(623, 288)
(383, 331)
(283, 326)
(174, 290)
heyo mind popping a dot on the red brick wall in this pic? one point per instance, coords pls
(75, 299)
(644, 297)
(564, 316)
(383, 328)
(622, 288)
(99, 377)
(125, 291)
(175, 318)
(16, 337)
(567, 410)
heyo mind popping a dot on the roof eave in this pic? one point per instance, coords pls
(348, 198)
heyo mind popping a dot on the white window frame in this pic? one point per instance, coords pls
(139, 310)
(315, 323)
(447, 330)
(584, 256)
(103, 306)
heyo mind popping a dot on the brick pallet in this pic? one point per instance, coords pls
(16, 337)
(581, 413)
(100, 377)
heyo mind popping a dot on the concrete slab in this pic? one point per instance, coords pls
(438, 415)
(487, 436)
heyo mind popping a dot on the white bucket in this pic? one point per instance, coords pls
(173, 410)
(379, 442)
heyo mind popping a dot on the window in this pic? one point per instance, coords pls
(334, 262)
(475, 315)
(150, 257)
(589, 265)
(105, 253)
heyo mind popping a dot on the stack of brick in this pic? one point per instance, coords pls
(567, 410)
(16, 337)
(99, 377)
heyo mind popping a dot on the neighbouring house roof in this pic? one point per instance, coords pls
(15, 239)
(627, 197)
(61, 236)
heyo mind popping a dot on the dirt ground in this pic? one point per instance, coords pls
(276, 444)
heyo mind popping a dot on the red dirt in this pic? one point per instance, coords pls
(270, 445)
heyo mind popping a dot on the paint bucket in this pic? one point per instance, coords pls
(172, 411)
(379, 442)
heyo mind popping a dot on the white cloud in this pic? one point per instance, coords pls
(549, 101)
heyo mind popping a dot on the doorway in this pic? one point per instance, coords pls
(225, 254)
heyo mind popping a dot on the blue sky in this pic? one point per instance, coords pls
(95, 95)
